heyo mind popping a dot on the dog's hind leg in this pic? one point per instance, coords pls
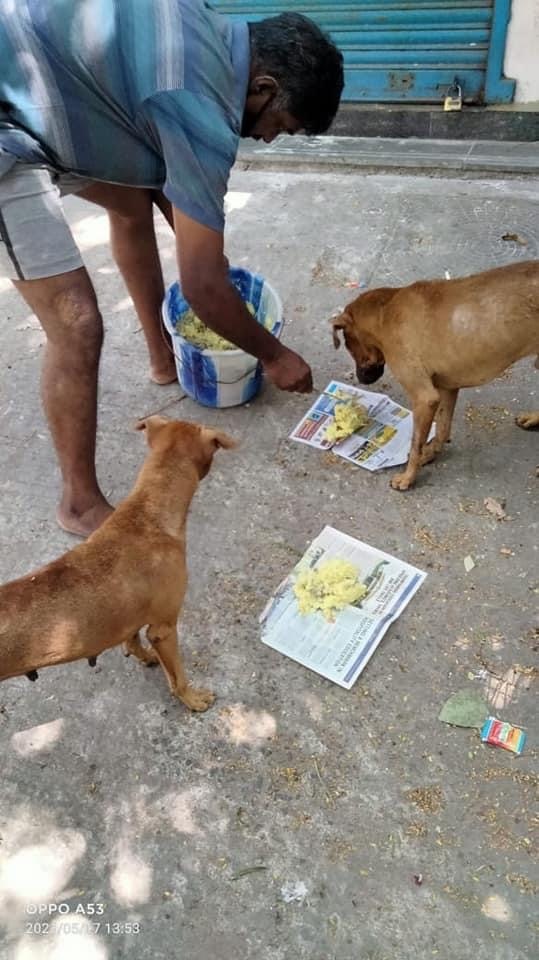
(134, 647)
(444, 419)
(528, 421)
(164, 640)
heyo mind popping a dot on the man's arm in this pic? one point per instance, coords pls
(207, 289)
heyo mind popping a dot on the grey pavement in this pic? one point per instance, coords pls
(410, 839)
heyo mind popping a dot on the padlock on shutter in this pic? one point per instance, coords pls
(453, 97)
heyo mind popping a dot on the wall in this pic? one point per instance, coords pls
(522, 50)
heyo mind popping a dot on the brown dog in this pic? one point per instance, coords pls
(440, 335)
(129, 574)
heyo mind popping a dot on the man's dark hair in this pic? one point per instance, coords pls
(305, 62)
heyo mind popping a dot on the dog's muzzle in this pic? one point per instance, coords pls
(370, 373)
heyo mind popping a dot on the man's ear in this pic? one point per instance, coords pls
(218, 438)
(340, 323)
(152, 425)
(263, 84)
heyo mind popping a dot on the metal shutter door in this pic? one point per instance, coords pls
(407, 51)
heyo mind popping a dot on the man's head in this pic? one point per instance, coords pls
(296, 78)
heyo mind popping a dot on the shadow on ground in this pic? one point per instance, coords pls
(395, 836)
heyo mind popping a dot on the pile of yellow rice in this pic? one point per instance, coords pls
(197, 333)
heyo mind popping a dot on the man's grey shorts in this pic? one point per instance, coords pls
(35, 238)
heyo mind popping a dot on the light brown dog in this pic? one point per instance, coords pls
(440, 335)
(129, 574)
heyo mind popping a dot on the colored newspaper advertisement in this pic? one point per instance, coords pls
(382, 441)
(332, 611)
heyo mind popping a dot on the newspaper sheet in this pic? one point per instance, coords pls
(340, 648)
(384, 441)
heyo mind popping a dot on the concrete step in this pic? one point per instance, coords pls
(449, 157)
(511, 121)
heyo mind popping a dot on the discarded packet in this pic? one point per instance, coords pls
(501, 734)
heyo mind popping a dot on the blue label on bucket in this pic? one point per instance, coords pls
(197, 374)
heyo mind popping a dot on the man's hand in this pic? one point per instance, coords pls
(289, 372)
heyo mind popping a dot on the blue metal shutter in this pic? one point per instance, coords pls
(410, 50)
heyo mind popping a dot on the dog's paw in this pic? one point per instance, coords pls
(401, 482)
(528, 420)
(198, 700)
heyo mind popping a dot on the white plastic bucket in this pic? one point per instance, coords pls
(222, 378)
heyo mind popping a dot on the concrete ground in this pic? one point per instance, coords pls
(401, 837)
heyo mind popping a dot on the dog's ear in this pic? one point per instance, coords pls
(218, 439)
(340, 323)
(152, 425)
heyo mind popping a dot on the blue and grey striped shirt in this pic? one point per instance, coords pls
(147, 93)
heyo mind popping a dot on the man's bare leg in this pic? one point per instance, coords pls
(134, 247)
(67, 309)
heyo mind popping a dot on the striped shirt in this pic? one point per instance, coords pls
(148, 93)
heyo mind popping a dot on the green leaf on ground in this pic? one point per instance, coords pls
(465, 708)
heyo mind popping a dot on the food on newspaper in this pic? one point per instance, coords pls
(349, 416)
(333, 608)
(368, 429)
(197, 333)
(328, 588)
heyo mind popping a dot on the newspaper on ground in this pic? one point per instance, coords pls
(338, 643)
(383, 441)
